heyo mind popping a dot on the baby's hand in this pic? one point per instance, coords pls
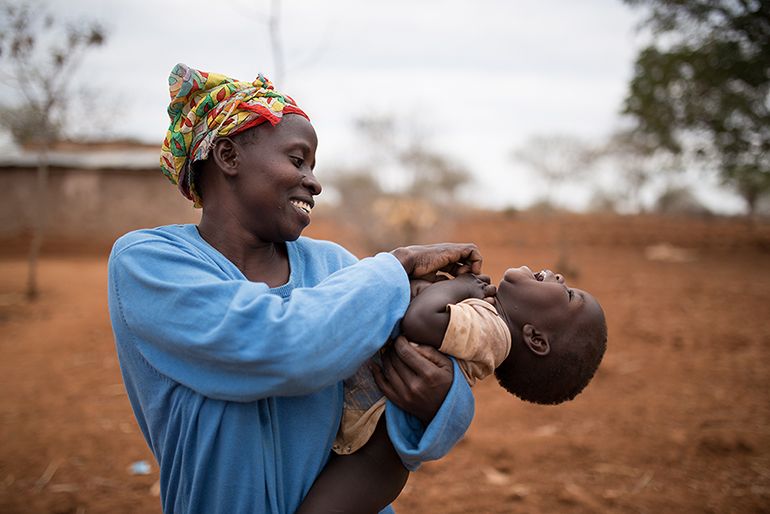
(417, 285)
(477, 286)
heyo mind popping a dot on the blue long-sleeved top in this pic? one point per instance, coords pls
(237, 386)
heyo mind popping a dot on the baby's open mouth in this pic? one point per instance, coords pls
(539, 276)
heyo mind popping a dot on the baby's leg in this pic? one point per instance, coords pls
(363, 482)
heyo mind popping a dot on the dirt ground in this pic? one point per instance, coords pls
(677, 419)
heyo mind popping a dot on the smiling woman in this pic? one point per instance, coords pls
(269, 171)
(234, 336)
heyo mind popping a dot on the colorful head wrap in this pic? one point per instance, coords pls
(205, 106)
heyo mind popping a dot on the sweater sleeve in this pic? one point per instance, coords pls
(233, 340)
(416, 444)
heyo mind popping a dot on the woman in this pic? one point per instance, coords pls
(233, 336)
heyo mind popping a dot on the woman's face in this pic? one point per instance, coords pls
(275, 185)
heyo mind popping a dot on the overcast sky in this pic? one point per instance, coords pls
(477, 78)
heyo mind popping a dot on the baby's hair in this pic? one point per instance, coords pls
(562, 374)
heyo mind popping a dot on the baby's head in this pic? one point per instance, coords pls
(558, 336)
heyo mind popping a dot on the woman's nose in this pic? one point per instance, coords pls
(311, 184)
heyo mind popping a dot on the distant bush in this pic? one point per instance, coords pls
(680, 201)
(603, 202)
(545, 207)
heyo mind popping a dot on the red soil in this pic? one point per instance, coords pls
(676, 420)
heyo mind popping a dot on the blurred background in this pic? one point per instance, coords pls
(625, 143)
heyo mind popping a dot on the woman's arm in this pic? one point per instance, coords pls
(427, 317)
(231, 339)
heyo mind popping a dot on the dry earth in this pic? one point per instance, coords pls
(677, 419)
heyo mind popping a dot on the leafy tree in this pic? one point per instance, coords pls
(39, 56)
(702, 87)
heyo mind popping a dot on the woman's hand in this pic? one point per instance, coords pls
(453, 258)
(416, 378)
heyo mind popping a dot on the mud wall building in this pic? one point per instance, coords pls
(94, 194)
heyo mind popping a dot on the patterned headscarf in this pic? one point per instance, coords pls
(205, 106)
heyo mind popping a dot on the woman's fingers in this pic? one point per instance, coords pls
(468, 263)
(411, 356)
(414, 378)
(382, 381)
(455, 258)
(432, 355)
(397, 373)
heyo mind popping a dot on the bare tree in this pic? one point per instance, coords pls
(425, 172)
(433, 176)
(557, 160)
(637, 162)
(284, 54)
(399, 195)
(276, 43)
(39, 55)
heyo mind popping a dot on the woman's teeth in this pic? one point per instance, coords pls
(303, 206)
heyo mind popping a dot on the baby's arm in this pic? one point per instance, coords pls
(427, 317)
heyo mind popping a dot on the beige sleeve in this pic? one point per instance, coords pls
(477, 337)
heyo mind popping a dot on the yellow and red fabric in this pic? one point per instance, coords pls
(205, 106)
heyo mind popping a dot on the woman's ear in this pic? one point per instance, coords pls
(536, 341)
(225, 155)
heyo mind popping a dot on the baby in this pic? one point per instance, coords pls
(558, 335)
(542, 339)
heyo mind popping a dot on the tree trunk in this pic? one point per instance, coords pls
(751, 196)
(39, 223)
(276, 44)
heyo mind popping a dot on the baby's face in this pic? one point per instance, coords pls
(542, 299)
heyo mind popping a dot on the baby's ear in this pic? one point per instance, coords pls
(536, 341)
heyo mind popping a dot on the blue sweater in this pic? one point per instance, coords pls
(237, 386)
